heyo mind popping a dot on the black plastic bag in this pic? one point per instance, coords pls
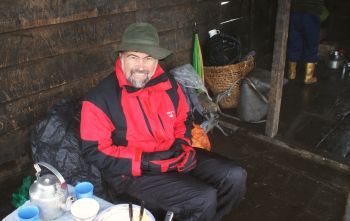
(56, 141)
(222, 49)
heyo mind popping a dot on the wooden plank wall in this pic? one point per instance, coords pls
(55, 49)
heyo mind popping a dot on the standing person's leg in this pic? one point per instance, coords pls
(311, 36)
(189, 198)
(225, 176)
(295, 38)
(295, 44)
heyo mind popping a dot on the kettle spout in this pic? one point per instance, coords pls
(69, 201)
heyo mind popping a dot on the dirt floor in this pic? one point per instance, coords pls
(283, 185)
(300, 175)
(303, 174)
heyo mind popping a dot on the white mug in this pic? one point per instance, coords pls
(213, 32)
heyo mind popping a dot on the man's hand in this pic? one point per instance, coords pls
(162, 161)
(189, 161)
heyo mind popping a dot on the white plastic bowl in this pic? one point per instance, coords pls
(85, 209)
(120, 212)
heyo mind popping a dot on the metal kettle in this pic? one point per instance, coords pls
(336, 59)
(50, 193)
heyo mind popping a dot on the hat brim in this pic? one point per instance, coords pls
(155, 51)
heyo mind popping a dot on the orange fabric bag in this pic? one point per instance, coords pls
(199, 138)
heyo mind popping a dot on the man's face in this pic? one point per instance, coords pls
(138, 67)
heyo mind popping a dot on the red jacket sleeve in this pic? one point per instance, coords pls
(97, 146)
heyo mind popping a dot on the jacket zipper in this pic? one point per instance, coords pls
(145, 117)
(161, 122)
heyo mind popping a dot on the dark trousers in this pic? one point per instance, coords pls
(303, 37)
(207, 193)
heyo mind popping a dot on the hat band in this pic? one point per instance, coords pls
(141, 41)
(153, 50)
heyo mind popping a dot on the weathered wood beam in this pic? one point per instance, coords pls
(25, 80)
(278, 63)
(23, 14)
(282, 146)
(168, 17)
(26, 111)
(30, 78)
(34, 44)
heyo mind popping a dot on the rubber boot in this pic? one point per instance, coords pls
(309, 73)
(292, 70)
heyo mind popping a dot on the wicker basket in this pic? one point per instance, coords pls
(221, 78)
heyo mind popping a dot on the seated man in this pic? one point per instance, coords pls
(136, 128)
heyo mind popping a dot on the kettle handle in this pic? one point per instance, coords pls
(52, 169)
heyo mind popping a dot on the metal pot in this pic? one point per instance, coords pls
(346, 70)
(50, 193)
(336, 60)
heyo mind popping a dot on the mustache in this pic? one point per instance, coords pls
(139, 72)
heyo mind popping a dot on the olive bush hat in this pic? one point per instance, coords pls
(143, 37)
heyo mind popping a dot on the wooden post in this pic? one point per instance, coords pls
(278, 63)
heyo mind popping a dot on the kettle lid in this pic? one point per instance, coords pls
(48, 180)
(46, 186)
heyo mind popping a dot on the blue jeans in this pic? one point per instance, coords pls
(303, 37)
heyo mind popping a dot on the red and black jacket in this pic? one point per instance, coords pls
(119, 122)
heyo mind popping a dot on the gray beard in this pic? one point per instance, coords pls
(135, 83)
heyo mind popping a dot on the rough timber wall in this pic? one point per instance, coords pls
(55, 49)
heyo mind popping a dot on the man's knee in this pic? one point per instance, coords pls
(236, 180)
(237, 176)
